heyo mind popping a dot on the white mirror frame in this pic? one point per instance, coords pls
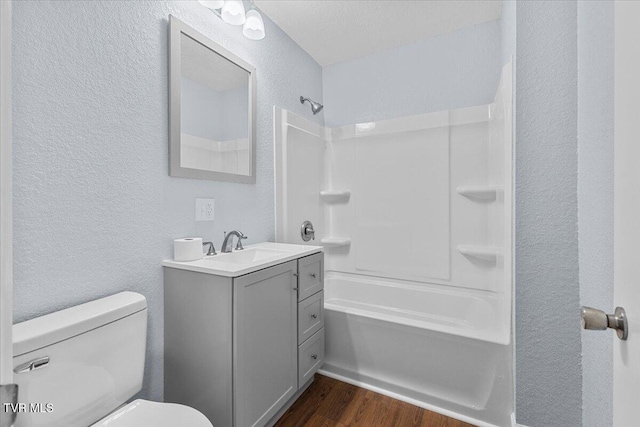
(176, 29)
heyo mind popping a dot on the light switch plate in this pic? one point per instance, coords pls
(205, 209)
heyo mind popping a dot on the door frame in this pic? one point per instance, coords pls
(626, 369)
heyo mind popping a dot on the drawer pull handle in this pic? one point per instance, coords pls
(314, 316)
(314, 356)
(312, 275)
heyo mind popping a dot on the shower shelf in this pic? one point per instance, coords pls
(335, 196)
(480, 192)
(488, 253)
(335, 241)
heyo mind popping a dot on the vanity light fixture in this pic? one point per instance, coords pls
(212, 4)
(233, 13)
(253, 27)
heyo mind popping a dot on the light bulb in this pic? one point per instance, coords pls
(253, 27)
(233, 12)
(212, 4)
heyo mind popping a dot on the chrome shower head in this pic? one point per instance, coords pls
(315, 107)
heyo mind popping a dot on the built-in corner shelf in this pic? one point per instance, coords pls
(335, 241)
(487, 253)
(480, 192)
(335, 196)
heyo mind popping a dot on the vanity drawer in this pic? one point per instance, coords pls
(310, 316)
(310, 357)
(310, 275)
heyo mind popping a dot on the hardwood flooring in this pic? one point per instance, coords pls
(332, 403)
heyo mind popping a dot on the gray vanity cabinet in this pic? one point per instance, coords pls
(241, 350)
(265, 344)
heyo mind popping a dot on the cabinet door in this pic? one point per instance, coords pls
(265, 343)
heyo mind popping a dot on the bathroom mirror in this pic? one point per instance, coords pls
(212, 109)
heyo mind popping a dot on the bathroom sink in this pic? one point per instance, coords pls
(246, 256)
(252, 258)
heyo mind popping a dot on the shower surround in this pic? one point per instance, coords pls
(415, 214)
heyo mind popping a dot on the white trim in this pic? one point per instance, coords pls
(6, 237)
(512, 190)
(626, 363)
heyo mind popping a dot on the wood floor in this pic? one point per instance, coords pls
(331, 403)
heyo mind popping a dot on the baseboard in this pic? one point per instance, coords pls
(406, 399)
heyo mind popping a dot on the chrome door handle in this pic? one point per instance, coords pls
(314, 316)
(314, 356)
(598, 320)
(312, 275)
(32, 365)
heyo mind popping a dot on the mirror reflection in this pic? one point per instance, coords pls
(214, 119)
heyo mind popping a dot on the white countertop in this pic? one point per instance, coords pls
(252, 258)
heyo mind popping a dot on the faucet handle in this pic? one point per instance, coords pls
(212, 249)
(240, 239)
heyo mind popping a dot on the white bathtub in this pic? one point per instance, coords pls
(444, 350)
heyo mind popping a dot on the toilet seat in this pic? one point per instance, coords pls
(143, 413)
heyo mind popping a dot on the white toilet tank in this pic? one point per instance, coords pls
(96, 357)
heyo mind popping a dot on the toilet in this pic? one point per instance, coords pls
(80, 366)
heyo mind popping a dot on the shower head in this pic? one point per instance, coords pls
(315, 107)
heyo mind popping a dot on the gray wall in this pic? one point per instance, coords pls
(548, 336)
(454, 70)
(95, 211)
(595, 200)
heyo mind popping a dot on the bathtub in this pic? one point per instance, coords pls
(446, 350)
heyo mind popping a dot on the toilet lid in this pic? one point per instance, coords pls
(143, 413)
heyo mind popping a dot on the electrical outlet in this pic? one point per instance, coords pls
(205, 209)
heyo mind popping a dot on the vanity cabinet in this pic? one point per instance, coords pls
(242, 349)
(265, 343)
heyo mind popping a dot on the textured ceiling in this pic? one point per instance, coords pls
(338, 30)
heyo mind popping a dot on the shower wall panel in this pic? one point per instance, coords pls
(424, 199)
(401, 202)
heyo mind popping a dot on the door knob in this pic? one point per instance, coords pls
(598, 320)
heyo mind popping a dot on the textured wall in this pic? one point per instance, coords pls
(548, 345)
(94, 208)
(595, 200)
(454, 70)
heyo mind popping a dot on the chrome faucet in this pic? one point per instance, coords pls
(228, 241)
